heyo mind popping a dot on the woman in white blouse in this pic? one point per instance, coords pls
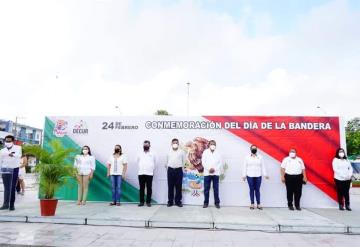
(85, 164)
(117, 166)
(343, 172)
(253, 171)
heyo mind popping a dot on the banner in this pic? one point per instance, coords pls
(315, 138)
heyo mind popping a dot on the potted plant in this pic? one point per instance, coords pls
(54, 168)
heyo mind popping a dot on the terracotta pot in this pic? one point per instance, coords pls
(48, 207)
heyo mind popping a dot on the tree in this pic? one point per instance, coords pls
(352, 131)
(162, 113)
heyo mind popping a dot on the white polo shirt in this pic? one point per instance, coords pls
(176, 158)
(84, 164)
(254, 166)
(211, 160)
(293, 166)
(146, 162)
(117, 164)
(7, 161)
(342, 169)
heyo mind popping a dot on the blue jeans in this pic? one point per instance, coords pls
(207, 184)
(116, 187)
(254, 186)
(9, 178)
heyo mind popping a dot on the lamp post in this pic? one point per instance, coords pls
(188, 99)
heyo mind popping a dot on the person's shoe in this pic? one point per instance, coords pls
(118, 204)
(4, 208)
(141, 204)
(169, 205)
(180, 205)
(348, 208)
(217, 205)
(112, 203)
(12, 208)
(291, 208)
(298, 208)
(148, 204)
(341, 208)
(205, 205)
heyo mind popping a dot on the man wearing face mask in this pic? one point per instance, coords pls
(174, 164)
(293, 175)
(146, 162)
(212, 163)
(10, 158)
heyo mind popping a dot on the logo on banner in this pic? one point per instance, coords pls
(60, 128)
(81, 128)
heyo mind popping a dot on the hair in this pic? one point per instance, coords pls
(174, 140)
(212, 141)
(118, 145)
(337, 153)
(146, 141)
(293, 149)
(252, 146)
(87, 148)
(9, 137)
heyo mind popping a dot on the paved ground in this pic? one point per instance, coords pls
(129, 225)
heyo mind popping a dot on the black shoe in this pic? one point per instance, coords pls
(4, 208)
(217, 206)
(170, 205)
(341, 208)
(141, 204)
(298, 208)
(12, 208)
(291, 208)
(148, 204)
(348, 208)
(205, 205)
(180, 205)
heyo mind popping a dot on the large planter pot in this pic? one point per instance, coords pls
(48, 207)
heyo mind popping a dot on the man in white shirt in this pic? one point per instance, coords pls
(175, 162)
(146, 163)
(10, 158)
(293, 175)
(212, 164)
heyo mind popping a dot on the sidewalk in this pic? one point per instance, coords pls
(193, 217)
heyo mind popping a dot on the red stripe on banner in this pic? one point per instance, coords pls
(316, 147)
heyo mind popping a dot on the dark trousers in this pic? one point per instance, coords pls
(342, 189)
(174, 177)
(145, 180)
(293, 188)
(254, 186)
(9, 181)
(207, 184)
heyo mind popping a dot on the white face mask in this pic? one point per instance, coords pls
(175, 146)
(8, 144)
(212, 147)
(341, 155)
(292, 154)
(85, 151)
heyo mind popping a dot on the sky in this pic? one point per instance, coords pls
(133, 57)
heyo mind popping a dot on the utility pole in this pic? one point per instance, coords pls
(188, 99)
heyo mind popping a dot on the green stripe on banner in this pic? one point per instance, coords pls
(99, 187)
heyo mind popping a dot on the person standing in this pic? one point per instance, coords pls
(293, 175)
(85, 164)
(117, 167)
(10, 158)
(175, 162)
(253, 171)
(212, 163)
(146, 162)
(343, 172)
(22, 172)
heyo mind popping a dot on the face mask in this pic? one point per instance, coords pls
(175, 146)
(253, 151)
(8, 144)
(85, 151)
(292, 154)
(212, 147)
(146, 148)
(341, 155)
(117, 150)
